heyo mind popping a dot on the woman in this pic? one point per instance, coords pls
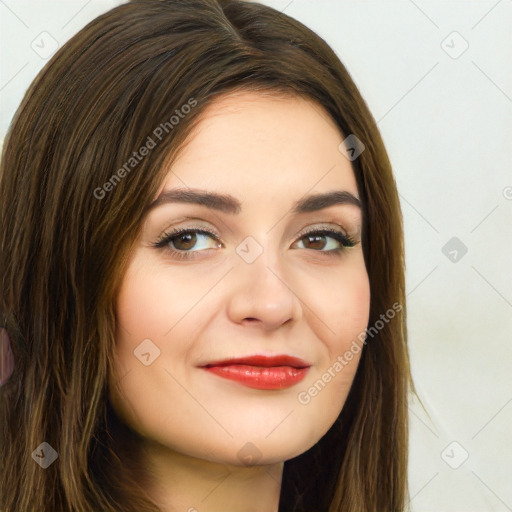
(267, 370)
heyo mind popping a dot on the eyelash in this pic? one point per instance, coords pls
(162, 243)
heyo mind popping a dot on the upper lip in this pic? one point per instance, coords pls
(262, 360)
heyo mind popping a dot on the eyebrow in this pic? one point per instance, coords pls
(229, 204)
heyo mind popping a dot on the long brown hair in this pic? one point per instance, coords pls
(69, 218)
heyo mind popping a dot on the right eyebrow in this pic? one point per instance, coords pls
(213, 200)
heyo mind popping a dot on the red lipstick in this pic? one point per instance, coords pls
(261, 372)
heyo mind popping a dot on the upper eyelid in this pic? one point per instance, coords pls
(174, 232)
(327, 223)
(322, 226)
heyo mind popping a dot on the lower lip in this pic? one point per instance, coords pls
(258, 377)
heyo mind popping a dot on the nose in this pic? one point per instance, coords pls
(261, 295)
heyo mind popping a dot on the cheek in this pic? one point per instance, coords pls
(153, 326)
(150, 304)
(141, 303)
(345, 307)
(146, 308)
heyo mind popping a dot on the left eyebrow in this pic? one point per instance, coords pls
(315, 202)
(231, 205)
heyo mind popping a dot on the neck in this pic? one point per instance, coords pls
(188, 484)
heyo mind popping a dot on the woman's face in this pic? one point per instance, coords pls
(259, 285)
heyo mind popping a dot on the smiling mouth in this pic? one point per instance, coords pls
(261, 372)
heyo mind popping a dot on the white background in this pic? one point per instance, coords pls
(446, 120)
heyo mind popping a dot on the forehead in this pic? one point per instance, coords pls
(254, 144)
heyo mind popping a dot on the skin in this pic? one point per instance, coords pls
(294, 299)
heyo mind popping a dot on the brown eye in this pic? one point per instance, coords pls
(319, 241)
(315, 241)
(184, 241)
(180, 242)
